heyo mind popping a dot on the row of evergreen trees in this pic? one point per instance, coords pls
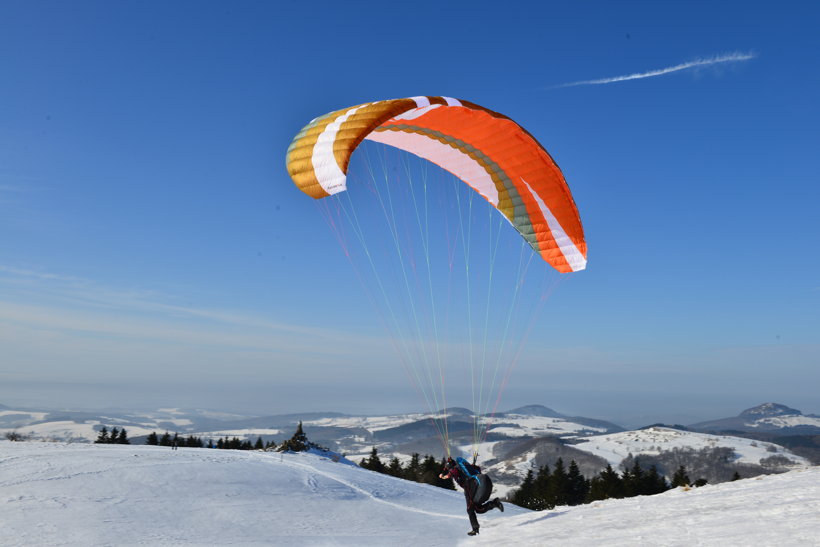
(548, 488)
(561, 486)
(298, 443)
(426, 471)
(116, 436)
(191, 441)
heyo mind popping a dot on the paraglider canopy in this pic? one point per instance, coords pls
(490, 152)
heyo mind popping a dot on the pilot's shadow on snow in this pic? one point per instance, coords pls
(543, 517)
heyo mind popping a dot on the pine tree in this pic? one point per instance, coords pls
(259, 444)
(102, 438)
(736, 476)
(525, 495)
(152, 439)
(395, 469)
(541, 486)
(430, 470)
(122, 438)
(413, 470)
(577, 486)
(633, 478)
(653, 483)
(558, 491)
(607, 484)
(193, 442)
(680, 478)
(165, 440)
(298, 443)
(373, 463)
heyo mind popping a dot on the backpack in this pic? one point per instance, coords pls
(480, 485)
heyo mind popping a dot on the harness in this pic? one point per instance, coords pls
(462, 464)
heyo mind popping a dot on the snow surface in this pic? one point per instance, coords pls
(71, 431)
(512, 425)
(248, 433)
(485, 450)
(81, 494)
(771, 510)
(794, 420)
(537, 426)
(370, 423)
(617, 446)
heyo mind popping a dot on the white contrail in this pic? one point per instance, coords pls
(728, 58)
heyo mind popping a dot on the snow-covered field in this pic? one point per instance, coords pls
(250, 433)
(81, 494)
(786, 421)
(512, 425)
(538, 426)
(617, 446)
(371, 423)
(87, 431)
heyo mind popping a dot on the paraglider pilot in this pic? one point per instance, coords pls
(477, 488)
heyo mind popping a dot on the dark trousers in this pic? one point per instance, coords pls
(472, 507)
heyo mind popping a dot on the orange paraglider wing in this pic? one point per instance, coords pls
(490, 152)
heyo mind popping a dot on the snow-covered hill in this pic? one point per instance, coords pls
(81, 494)
(654, 440)
(766, 418)
(84, 426)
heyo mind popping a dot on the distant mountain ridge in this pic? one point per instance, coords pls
(534, 410)
(770, 409)
(771, 418)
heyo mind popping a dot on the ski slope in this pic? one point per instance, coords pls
(81, 494)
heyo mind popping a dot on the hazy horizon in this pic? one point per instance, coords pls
(608, 409)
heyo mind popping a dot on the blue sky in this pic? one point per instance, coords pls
(153, 250)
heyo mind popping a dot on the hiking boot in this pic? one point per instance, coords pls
(473, 532)
(498, 505)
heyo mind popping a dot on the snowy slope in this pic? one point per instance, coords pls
(520, 425)
(80, 494)
(71, 431)
(79, 426)
(771, 510)
(371, 423)
(784, 422)
(653, 440)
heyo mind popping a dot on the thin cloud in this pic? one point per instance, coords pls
(56, 303)
(689, 65)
